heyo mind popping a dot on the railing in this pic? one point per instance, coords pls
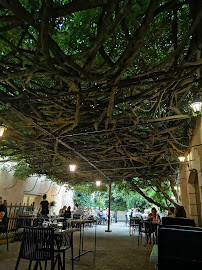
(14, 211)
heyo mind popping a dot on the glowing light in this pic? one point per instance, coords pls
(181, 159)
(72, 167)
(196, 106)
(98, 183)
(2, 129)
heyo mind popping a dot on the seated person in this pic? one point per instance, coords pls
(3, 216)
(137, 214)
(62, 211)
(67, 213)
(97, 214)
(78, 212)
(180, 211)
(153, 216)
(171, 211)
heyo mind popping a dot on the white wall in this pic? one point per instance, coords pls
(13, 190)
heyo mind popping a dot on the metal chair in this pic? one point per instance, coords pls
(38, 246)
(133, 223)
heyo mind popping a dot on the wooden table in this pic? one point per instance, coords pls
(81, 223)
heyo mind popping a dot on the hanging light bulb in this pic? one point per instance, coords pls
(196, 106)
(2, 129)
(181, 159)
(72, 167)
(98, 183)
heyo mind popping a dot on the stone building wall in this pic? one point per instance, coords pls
(190, 176)
(14, 190)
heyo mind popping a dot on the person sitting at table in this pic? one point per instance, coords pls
(154, 217)
(171, 211)
(3, 216)
(180, 211)
(44, 207)
(78, 212)
(62, 211)
(67, 213)
(137, 214)
(97, 214)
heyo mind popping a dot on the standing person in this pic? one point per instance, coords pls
(115, 216)
(101, 214)
(128, 216)
(44, 206)
(132, 211)
(3, 216)
(104, 216)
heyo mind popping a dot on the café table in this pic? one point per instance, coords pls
(149, 227)
(64, 240)
(81, 224)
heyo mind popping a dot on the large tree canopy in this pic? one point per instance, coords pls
(103, 83)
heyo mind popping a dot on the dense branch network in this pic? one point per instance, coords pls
(110, 79)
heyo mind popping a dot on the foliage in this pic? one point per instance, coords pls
(105, 82)
(52, 203)
(122, 198)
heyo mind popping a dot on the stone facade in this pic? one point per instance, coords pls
(17, 191)
(190, 184)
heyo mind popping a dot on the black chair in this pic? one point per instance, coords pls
(133, 224)
(179, 247)
(38, 246)
(178, 221)
(4, 229)
(76, 216)
(23, 221)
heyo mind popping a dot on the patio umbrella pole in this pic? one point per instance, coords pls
(110, 187)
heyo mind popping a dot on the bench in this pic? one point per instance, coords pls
(179, 247)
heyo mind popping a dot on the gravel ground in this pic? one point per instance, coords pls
(115, 250)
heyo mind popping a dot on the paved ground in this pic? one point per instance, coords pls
(115, 251)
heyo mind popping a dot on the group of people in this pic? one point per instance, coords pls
(179, 211)
(153, 216)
